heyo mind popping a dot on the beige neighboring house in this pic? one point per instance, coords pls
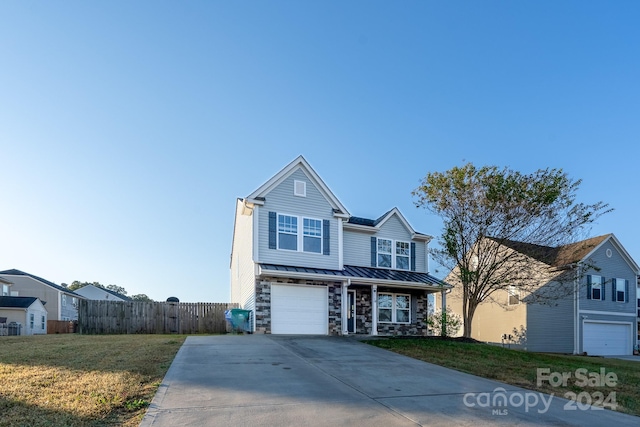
(60, 303)
(27, 312)
(598, 315)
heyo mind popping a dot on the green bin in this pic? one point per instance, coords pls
(239, 319)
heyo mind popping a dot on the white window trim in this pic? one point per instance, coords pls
(393, 308)
(393, 253)
(299, 234)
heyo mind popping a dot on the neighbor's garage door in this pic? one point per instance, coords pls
(299, 310)
(607, 339)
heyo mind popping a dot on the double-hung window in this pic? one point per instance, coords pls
(43, 324)
(31, 318)
(288, 232)
(392, 254)
(403, 252)
(620, 290)
(385, 257)
(595, 287)
(5, 290)
(312, 235)
(290, 238)
(394, 308)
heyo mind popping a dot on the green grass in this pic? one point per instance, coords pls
(81, 380)
(519, 368)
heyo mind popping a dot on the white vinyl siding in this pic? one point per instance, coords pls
(242, 272)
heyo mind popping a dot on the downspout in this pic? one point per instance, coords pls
(374, 312)
(576, 311)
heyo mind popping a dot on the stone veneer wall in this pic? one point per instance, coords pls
(417, 326)
(263, 303)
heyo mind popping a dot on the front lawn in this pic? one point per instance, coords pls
(520, 368)
(81, 380)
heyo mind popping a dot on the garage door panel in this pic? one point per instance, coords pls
(607, 339)
(299, 309)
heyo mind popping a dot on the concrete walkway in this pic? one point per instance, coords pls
(262, 380)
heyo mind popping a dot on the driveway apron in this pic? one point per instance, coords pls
(264, 380)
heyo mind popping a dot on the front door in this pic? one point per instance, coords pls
(351, 313)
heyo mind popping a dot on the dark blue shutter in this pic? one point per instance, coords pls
(272, 230)
(626, 291)
(413, 256)
(374, 252)
(603, 286)
(589, 286)
(326, 242)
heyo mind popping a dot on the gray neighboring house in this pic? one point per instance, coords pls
(29, 312)
(599, 317)
(302, 264)
(61, 303)
(92, 292)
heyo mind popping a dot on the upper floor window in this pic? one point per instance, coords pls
(384, 253)
(288, 232)
(620, 290)
(595, 287)
(393, 256)
(289, 237)
(596, 291)
(5, 290)
(64, 299)
(514, 295)
(312, 235)
(403, 252)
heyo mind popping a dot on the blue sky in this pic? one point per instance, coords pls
(128, 129)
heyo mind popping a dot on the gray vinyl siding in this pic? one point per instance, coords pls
(282, 200)
(550, 327)
(67, 309)
(610, 268)
(242, 267)
(357, 245)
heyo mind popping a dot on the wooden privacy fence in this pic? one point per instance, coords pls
(143, 317)
(61, 326)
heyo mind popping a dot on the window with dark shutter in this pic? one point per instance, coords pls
(374, 252)
(413, 256)
(272, 230)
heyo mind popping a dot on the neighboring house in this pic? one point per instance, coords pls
(95, 293)
(303, 265)
(29, 312)
(5, 287)
(61, 303)
(597, 316)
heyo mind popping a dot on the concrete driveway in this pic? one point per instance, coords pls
(262, 380)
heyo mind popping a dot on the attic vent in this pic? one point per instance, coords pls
(299, 188)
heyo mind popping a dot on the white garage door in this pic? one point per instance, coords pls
(607, 339)
(299, 310)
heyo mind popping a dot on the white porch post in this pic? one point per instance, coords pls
(443, 308)
(345, 308)
(374, 310)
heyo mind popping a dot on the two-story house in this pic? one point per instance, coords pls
(92, 292)
(304, 265)
(597, 315)
(61, 303)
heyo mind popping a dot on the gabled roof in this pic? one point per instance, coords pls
(14, 272)
(5, 281)
(109, 291)
(572, 253)
(299, 163)
(365, 274)
(375, 224)
(17, 302)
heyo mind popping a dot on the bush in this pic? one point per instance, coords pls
(449, 319)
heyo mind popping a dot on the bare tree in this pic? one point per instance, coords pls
(506, 229)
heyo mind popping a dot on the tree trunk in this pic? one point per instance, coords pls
(469, 309)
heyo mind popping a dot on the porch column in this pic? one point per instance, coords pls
(443, 308)
(345, 308)
(374, 310)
